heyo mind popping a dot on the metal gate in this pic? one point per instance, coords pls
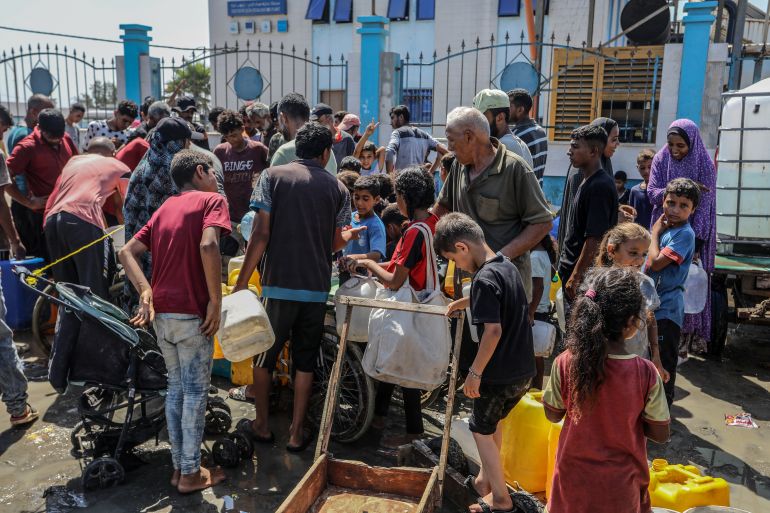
(264, 73)
(65, 75)
(575, 84)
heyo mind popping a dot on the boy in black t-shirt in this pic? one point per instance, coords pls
(505, 359)
(595, 208)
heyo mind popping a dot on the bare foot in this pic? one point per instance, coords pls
(175, 478)
(200, 480)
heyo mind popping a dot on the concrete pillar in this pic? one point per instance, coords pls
(697, 33)
(136, 43)
(373, 34)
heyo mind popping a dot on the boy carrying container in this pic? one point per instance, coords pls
(505, 360)
(668, 264)
(186, 294)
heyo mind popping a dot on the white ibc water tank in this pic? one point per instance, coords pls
(745, 154)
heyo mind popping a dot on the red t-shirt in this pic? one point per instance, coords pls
(173, 236)
(607, 446)
(410, 253)
(131, 154)
(40, 162)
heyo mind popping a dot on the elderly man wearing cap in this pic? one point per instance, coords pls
(293, 113)
(186, 107)
(495, 106)
(497, 188)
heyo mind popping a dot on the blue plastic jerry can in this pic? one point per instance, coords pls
(19, 299)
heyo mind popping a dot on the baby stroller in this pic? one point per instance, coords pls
(123, 369)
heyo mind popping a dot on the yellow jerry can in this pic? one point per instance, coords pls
(553, 446)
(680, 487)
(525, 444)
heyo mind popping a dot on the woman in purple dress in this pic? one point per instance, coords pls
(695, 164)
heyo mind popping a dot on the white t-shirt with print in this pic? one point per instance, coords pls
(102, 129)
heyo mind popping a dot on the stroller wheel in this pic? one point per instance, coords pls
(218, 402)
(103, 473)
(244, 443)
(226, 453)
(218, 421)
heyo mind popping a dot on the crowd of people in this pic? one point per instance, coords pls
(325, 195)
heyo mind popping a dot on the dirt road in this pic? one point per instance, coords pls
(35, 459)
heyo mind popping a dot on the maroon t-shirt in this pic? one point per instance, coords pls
(240, 169)
(173, 235)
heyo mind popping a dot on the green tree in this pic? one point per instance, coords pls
(196, 80)
(103, 95)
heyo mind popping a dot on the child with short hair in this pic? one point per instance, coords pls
(610, 401)
(72, 122)
(595, 208)
(394, 221)
(371, 243)
(626, 245)
(350, 163)
(621, 178)
(668, 264)
(186, 294)
(387, 195)
(637, 197)
(414, 197)
(504, 363)
(372, 158)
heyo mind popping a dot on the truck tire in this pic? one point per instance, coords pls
(719, 318)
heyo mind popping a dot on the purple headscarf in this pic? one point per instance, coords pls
(697, 166)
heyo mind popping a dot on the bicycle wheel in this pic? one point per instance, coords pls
(355, 405)
(44, 316)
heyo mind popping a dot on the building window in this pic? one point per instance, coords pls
(420, 103)
(426, 9)
(398, 9)
(334, 98)
(318, 11)
(343, 11)
(508, 7)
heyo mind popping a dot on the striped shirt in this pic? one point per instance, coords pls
(537, 142)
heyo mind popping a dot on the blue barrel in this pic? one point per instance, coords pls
(19, 300)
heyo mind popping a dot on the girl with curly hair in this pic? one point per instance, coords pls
(611, 401)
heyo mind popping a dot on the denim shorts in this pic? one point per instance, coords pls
(495, 403)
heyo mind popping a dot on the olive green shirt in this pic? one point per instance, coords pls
(503, 199)
(288, 153)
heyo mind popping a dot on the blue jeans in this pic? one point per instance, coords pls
(188, 356)
(13, 383)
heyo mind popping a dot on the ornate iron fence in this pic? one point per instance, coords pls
(571, 86)
(265, 72)
(64, 75)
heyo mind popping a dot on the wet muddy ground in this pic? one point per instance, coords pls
(37, 458)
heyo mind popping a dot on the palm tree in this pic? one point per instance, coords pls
(195, 79)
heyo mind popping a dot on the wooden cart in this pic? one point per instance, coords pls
(332, 486)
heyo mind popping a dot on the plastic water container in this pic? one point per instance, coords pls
(525, 444)
(234, 264)
(716, 509)
(360, 287)
(555, 287)
(560, 315)
(663, 510)
(472, 329)
(680, 487)
(19, 300)
(461, 433)
(696, 289)
(246, 225)
(753, 171)
(245, 329)
(553, 447)
(544, 338)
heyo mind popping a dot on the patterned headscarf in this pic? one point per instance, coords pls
(150, 185)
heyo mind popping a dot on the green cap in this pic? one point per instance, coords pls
(487, 99)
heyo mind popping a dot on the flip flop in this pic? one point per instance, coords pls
(468, 483)
(299, 448)
(486, 508)
(239, 394)
(244, 426)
